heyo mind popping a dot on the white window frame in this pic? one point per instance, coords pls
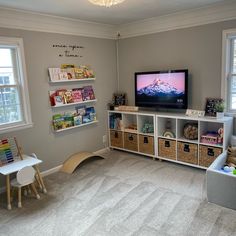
(23, 87)
(226, 60)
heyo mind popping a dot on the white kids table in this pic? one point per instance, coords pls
(14, 167)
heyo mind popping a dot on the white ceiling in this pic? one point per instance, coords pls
(129, 11)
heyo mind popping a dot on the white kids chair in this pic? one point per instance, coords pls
(24, 177)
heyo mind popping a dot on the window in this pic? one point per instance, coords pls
(228, 85)
(14, 98)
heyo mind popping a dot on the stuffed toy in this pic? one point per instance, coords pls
(231, 158)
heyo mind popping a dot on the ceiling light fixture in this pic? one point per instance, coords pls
(106, 3)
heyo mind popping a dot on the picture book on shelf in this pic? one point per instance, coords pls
(70, 73)
(54, 74)
(77, 94)
(68, 97)
(80, 110)
(58, 100)
(68, 119)
(52, 94)
(78, 120)
(90, 114)
(79, 73)
(58, 121)
(63, 76)
(88, 93)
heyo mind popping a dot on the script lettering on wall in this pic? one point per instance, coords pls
(65, 50)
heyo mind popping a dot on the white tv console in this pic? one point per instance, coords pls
(126, 133)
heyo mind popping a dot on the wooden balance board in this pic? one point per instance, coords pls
(73, 161)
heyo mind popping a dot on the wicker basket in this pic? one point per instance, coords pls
(146, 144)
(208, 155)
(187, 152)
(130, 141)
(167, 148)
(116, 138)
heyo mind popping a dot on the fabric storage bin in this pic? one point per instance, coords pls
(167, 148)
(130, 141)
(146, 144)
(187, 152)
(116, 138)
(208, 155)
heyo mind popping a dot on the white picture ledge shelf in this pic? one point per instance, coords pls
(77, 126)
(72, 80)
(75, 103)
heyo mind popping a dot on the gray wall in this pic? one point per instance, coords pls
(197, 49)
(52, 148)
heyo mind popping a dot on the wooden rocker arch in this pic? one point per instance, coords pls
(75, 160)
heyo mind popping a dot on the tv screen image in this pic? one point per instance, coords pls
(167, 89)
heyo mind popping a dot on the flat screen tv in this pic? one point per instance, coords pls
(162, 89)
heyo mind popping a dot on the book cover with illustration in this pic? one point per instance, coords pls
(79, 73)
(58, 122)
(68, 97)
(88, 93)
(58, 100)
(77, 94)
(80, 110)
(78, 120)
(54, 74)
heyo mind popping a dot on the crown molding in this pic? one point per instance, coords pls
(201, 16)
(19, 19)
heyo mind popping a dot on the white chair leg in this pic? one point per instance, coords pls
(19, 197)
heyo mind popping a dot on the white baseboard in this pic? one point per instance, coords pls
(101, 151)
(57, 168)
(51, 171)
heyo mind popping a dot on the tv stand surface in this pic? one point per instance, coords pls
(126, 132)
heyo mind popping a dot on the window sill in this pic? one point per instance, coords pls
(12, 128)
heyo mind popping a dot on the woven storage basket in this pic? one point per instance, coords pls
(130, 141)
(187, 152)
(146, 144)
(208, 155)
(116, 138)
(167, 148)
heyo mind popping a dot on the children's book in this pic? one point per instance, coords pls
(90, 112)
(77, 94)
(61, 92)
(68, 97)
(88, 73)
(63, 76)
(52, 94)
(78, 120)
(54, 74)
(68, 120)
(58, 121)
(70, 73)
(86, 119)
(88, 93)
(58, 100)
(80, 110)
(79, 73)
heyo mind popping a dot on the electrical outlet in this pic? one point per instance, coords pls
(104, 138)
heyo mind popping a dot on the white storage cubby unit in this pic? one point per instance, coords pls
(132, 131)
(129, 131)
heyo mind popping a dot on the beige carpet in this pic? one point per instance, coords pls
(124, 194)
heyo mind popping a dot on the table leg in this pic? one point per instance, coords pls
(40, 179)
(8, 192)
